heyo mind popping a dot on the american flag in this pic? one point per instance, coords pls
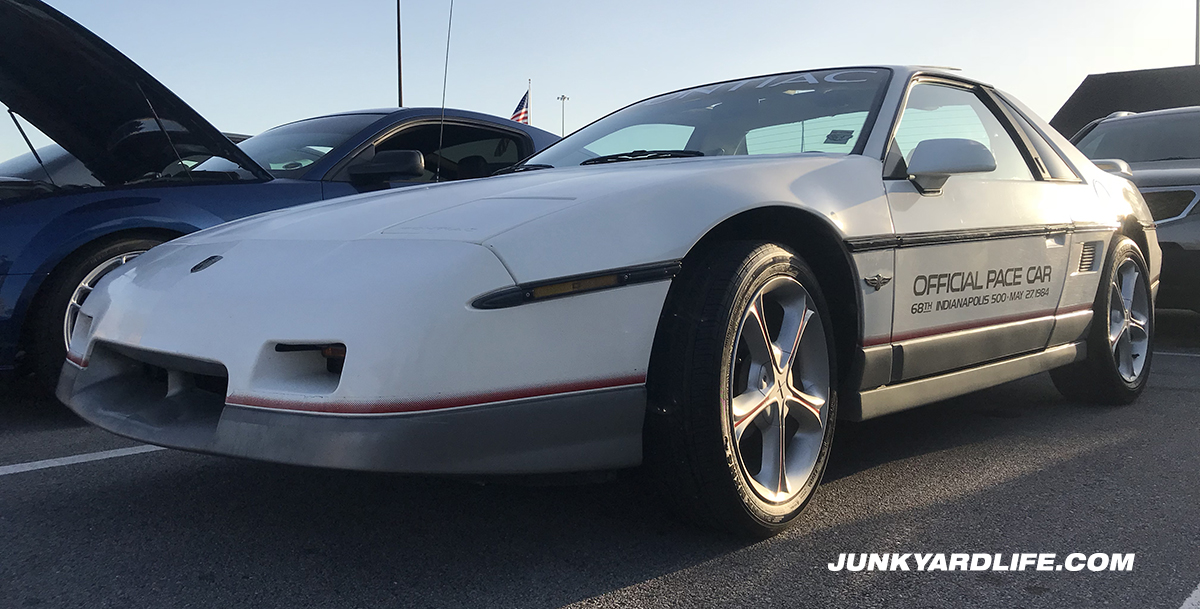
(521, 114)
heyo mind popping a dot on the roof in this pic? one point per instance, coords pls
(1136, 91)
(1154, 113)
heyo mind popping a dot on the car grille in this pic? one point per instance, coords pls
(1168, 204)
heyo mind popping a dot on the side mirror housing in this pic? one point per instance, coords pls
(934, 161)
(388, 165)
(1115, 167)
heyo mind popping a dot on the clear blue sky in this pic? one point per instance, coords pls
(248, 65)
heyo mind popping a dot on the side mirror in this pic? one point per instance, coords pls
(934, 161)
(1115, 167)
(387, 165)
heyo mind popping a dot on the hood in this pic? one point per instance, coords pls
(95, 102)
(478, 210)
(1159, 174)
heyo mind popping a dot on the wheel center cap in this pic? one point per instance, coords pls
(781, 392)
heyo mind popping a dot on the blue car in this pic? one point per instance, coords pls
(157, 170)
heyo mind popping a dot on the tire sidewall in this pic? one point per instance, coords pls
(768, 263)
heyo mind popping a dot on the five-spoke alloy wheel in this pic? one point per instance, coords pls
(778, 385)
(1129, 320)
(1120, 343)
(742, 389)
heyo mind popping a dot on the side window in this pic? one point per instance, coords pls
(1054, 164)
(465, 151)
(936, 111)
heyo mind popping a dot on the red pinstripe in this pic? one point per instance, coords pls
(387, 407)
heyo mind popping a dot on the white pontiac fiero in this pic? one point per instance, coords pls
(702, 281)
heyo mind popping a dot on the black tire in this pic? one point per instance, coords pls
(1097, 378)
(690, 452)
(44, 337)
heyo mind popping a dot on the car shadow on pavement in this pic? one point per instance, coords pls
(1177, 329)
(26, 406)
(969, 419)
(223, 532)
(988, 414)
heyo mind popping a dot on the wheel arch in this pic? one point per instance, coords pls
(1131, 227)
(36, 292)
(819, 243)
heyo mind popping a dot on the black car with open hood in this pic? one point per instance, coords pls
(156, 170)
(120, 122)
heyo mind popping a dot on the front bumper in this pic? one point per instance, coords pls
(572, 431)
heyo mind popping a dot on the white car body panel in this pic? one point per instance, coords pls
(685, 199)
(530, 385)
(502, 352)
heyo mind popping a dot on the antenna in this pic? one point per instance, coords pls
(30, 145)
(437, 172)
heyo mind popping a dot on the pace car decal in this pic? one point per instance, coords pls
(945, 286)
(1004, 285)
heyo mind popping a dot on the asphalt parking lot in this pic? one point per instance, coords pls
(1015, 469)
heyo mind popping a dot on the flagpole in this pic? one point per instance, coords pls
(529, 96)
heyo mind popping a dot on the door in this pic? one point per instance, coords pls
(979, 265)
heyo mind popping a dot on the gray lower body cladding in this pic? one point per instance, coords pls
(581, 431)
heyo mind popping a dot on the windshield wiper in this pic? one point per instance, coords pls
(638, 155)
(516, 168)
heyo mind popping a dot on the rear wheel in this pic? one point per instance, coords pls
(1121, 339)
(67, 289)
(742, 390)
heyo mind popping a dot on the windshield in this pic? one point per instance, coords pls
(1147, 138)
(823, 111)
(287, 151)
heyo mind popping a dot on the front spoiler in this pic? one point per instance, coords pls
(579, 431)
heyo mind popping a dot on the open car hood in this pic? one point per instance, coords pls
(95, 102)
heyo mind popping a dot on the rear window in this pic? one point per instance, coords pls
(1148, 138)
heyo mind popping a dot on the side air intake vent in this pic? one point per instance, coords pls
(1089, 261)
(1168, 204)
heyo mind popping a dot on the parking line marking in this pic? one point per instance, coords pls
(1193, 601)
(1177, 354)
(18, 468)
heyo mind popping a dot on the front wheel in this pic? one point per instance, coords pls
(1121, 339)
(53, 320)
(742, 387)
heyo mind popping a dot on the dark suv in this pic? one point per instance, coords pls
(1163, 151)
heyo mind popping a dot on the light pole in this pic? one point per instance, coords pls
(400, 64)
(563, 98)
